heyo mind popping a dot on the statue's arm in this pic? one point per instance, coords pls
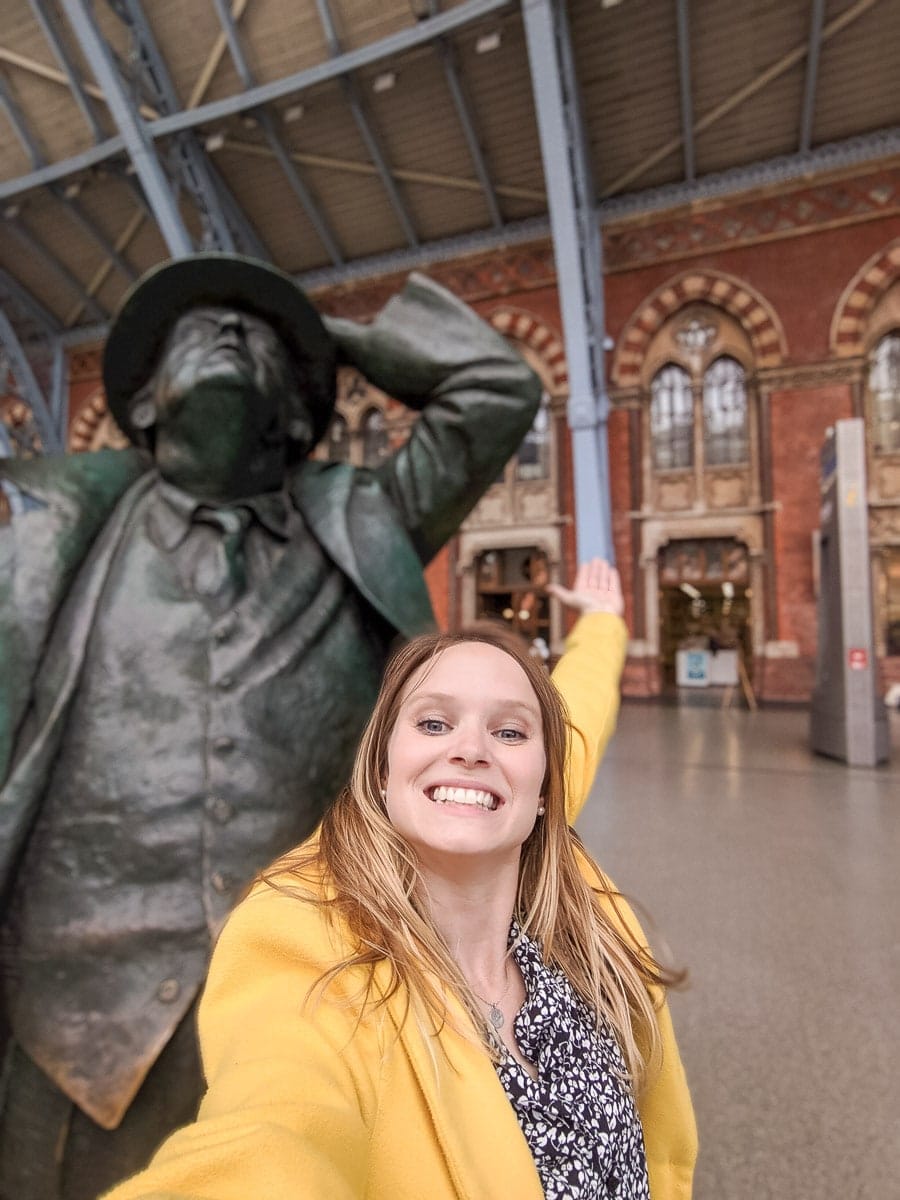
(476, 397)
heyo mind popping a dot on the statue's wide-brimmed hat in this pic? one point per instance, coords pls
(151, 308)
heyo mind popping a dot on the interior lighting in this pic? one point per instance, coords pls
(215, 141)
(384, 82)
(610, 3)
(249, 122)
(11, 211)
(488, 42)
(72, 189)
(292, 113)
(690, 590)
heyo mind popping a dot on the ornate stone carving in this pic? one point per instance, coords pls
(494, 508)
(886, 473)
(535, 502)
(884, 526)
(727, 489)
(675, 494)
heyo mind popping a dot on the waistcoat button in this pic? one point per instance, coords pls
(168, 991)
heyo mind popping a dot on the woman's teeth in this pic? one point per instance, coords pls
(458, 795)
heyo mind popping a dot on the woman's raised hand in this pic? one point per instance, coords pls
(597, 588)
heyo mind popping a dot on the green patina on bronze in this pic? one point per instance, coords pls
(157, 746)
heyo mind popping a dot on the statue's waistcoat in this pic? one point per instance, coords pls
(129, 872)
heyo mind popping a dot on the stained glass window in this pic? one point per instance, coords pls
(725, 426)
(672, 419)
(884, 395)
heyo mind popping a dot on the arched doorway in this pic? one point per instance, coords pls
(705, 614)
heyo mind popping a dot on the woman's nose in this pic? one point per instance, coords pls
(470, 747)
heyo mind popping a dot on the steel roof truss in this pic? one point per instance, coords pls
(188, 160)
(40, 251)
(45, 20)
(138, 142)
(20, 128)
(28, 386)
(38, 313)
(273, 137)
(807, 117)
(684, 87)
(464, 113)
(366, 130)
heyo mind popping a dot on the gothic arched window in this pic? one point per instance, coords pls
(726, 436)
(533, 458)
(884, 394)
(671, 419)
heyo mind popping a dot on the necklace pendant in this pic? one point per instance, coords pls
(496, 1017)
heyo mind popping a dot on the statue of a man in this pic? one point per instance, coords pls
(192, 633)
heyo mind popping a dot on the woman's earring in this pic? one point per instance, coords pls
(541, 810)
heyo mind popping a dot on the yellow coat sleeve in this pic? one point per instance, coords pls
(664, 1104)
(291, 1099)
(587, 677)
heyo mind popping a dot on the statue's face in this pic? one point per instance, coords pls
(224, 390)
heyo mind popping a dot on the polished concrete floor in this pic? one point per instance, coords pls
(774, 876)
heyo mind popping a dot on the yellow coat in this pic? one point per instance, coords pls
(309, 1102)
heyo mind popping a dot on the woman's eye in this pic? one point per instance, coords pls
(510, 735)
(431, 725)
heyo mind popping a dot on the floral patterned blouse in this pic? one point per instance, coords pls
(578, 1116)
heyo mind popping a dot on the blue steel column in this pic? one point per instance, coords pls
(138, 142)
(579, 266)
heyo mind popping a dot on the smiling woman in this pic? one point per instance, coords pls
(440, 994)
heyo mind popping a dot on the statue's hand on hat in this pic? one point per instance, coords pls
(424, 340)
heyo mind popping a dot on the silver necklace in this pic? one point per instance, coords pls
(495, 1014)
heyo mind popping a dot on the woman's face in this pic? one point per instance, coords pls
(466, 757)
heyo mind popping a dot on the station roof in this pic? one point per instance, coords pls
(346, 138)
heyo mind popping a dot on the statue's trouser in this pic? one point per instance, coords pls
(49, 1149)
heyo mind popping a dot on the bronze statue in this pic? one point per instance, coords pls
(192, 633)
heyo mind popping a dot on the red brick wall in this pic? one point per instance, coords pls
(799, 421)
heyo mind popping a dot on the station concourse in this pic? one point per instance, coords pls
(770, 873)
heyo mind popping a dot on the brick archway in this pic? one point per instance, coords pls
(756, 316)
(846, 337)
(546, 343)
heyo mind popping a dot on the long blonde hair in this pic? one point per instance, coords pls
(372, 882)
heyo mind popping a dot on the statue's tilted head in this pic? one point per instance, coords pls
(204, 336)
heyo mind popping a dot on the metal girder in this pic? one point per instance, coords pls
(785, 63)
(187, 160)
(38, 313)
(39, 250)
(82, 161)
(20, 128)
(344, 64)
(464, 114)
(84, 222)
(684, 88)
(367, 133)
(579, 265)
(28, 386)
(216, 110)
(272, 136)
(45, 20)
(816, 22)
(832, 156)
(38, 160)
(140, 146)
